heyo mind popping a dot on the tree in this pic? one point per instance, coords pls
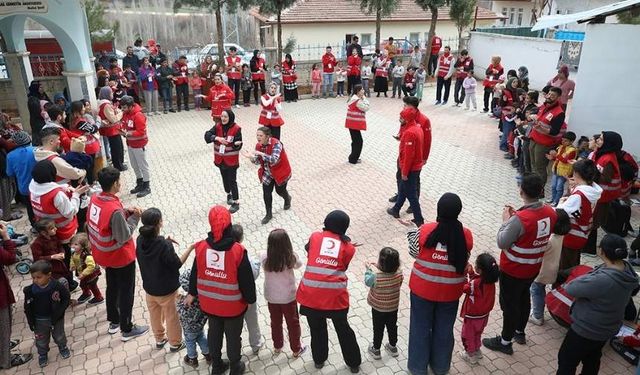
(276, 7)
(99, 28)
(382, 8)
(431, 6)
(631, 17)
(461, 12)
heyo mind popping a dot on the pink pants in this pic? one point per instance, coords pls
(472, 332)
(315, 88)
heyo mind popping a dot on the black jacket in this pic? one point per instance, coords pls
(58, 297)
(159, 265)
(210, 136)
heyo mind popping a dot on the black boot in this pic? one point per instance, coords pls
(138, 187)
(145, 190)
(267, 218)
(287, 202)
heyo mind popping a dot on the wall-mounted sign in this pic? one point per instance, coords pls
(24, 6)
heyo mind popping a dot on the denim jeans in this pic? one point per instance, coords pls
(507, 128)
(557, 187)
(431, 335)
(327, 84)
(538, 292)
(408, 190)
(166, 98)
(191, 339)
(44, 330)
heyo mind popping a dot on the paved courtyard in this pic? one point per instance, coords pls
(185, 183)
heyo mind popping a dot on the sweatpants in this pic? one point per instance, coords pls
(346, 338)
(470, 98)
(539, 161)
(515, 302)
(576, 349)
(382, 320)
(288, 311)
(471, 333)
(138, 160)
(44, 330)
(267, 193)
(253, 327)
(151, 101)
(231, 329)
(229, 181)
(121, 287)
(162, 310)
(356, 145)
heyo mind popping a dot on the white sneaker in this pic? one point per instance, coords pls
(536, 321)
(257, 348)
(478, 354)
(471, 359)
(237, 106)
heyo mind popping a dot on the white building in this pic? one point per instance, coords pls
(515, 12)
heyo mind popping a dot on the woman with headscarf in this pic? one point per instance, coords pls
(290, 79)
(493, 76)
(36, 121)
(436, 283)
(83, 130)
(110, 116)
(562, 81)
(509, 103)
(258, 67)
(207, 71)
(323, 294)
(523, 78)
(37, 90)
(222, 279)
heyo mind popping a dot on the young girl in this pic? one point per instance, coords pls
(86, 270)
(562, 158)
(280, 290)
(316, 81)
(195, 82)
(223, 75)
(48, 247)
(384, 298)
(246, 84)
(480, 295)
(341, 77)
(276, 77)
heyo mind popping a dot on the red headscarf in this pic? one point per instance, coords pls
(219, 220)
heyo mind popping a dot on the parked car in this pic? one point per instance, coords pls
(192, 54)
(212, 50)
(404, 47)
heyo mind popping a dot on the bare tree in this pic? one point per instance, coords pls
(382, 8)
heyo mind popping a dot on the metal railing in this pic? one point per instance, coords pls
(46, 65)
(512, 30)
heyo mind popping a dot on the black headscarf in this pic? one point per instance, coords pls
(611, 142)
(449, 232)
(337, 222)
(44, 171)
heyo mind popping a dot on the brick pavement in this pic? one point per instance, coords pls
(185, 183)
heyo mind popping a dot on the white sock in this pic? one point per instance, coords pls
(505, 342)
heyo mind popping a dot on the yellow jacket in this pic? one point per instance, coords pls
(561, 165)
(82, 269)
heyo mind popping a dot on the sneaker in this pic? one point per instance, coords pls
(161, 344)
(479, 354)
(495, 344)
(469, 358)
(73, 286)
(95, 301)
(113, 328)
(65, 353)
(229, 199)
(589, 255)
(409, 210)
(318, 365)
(520, 338)
(43, 360)
(392, 350)
(135, 332)
(393, 212)
(149, 114)
(165, 111)
(208, 358)
(157, 113)
(13, 343)
(193, 362)
(444, 102)
(234, 208)
(172, 110)
(237, 105)
(536, 321)
(437, 102)
(20, 359)
(220, 368)
(354, 370)
(300, 352)
(393, 199)
(375, 353)
(177, 348)
(83, 298)
(256, 349)
(238, 368)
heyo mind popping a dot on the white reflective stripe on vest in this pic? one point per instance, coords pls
(522, 250)
(46, 216)
(218, 296)
(325, 284)
(136, 138)
(438, 279)
(106, 249)
(217, 284)
(231, 153)
(324, 271)
(610, 187)
(436, 266)
(564, 299)
(578, 233)
(97, 235)
(516, 259)
(62, 224)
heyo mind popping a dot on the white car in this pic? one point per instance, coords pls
(212, 50)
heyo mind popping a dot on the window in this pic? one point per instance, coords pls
(520, 15)
(365, 39)
(414, 38)
(504, 13)
(512, 14)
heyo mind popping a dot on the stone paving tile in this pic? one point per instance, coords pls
(185, 183)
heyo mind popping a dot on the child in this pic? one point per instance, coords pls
(223, 74)
(196, 86)
(365, 76)
(256, 341)
(48, 247)
(409, 83)
(45, 302)
(469, 84)
(276, 77)
(398, 75)
(421, 77)
(316, 81)
(280, 290)
(583, 148)
(246, 84)
(86, 269)
(341, 76)
(192, 320)
(384, 298)
(562, 157)
(480, 295)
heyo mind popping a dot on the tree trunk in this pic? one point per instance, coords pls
(378, 23)
(279, 56)
(432, 33)
(220, 36)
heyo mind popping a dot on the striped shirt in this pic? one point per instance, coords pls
(384, 295)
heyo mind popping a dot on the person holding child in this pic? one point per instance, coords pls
(86, 270)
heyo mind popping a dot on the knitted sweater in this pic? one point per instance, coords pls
(384, 295)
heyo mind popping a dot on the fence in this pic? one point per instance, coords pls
(46, 65)
(514, 31)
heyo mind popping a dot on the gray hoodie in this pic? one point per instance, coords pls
(600, 300)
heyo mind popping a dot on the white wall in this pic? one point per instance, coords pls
(539, 55)
(608, 88)
(526, 7)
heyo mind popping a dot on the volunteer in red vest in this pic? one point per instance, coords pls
(410, 162)
(134, 129)
(356, 122)
(444, 72)
(323, 294)
(353, 71)
(274, 172)
(289, 79)
(111, 117)
(110, 228)
(234, 72)
(608, 158)
(258, 67)
(435, 45)
(463, 65)
(65, 173)
(585, 193)
(79, 127)
(328, 67)
(226, 137)
(436, 284)
(493, 76)
(270, 117)
(181, 80)
(381, 82)
(523, 239)
(558, 301)
(222, 279)
(220, 96)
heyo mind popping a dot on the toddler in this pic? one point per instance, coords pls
(86, 270)
(47, 246)
(562, 159)
(384, 298)
(469, 85)
(192, 320)
(223, 75)
(316, 81)
(196, 86)
(341, 76)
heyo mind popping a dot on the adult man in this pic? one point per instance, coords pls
(547, 129)
(463, 65)
(20, 162)
(135, 131)
(354, 44)
(435, 45)
(49, 151)
(57, 117)
(234, 72)
(110, 228)
(445, 70)
(523, 238)
(392, 51)
(130, 59)
(328, 67)
(181, 80)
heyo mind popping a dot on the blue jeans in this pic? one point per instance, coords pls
(507, 128)
(166, 98)
(327, 84)
(409, 191)
(431, 335)
(538, 292)
(557, 187)
(193, 338)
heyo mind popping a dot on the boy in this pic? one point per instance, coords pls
(421, 77)
(366, 74)
(192, 320)
(45, 302)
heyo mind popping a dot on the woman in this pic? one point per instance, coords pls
(562, 81)
(523, 78)
(258, 67)
(220, 96)
(289, 78)
(381, 84)
(36, 121)
(353, 71)
(509, 103)
(37, 90)
(147, 75)
(436, 286)
(493, 74)
(598, 309)
(227, 142)
(207, 72)
(275, 170)
(270, 115)
(357, 106)
(110, 116)
(323, 294)
(80, 128)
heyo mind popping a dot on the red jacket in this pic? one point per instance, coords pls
(493, 74)
(425, 124)
(479, 298)
(410, 80)
(353, 65)
(181, 73)
(135, 124)
(92, 145)
(7, 258)
(221, 96)
(43, 248)
(328, 62)
(411, 146)
(436, 44)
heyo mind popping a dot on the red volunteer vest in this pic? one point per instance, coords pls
(104, 248)
(288, 73)
(281, 171)
(129, 124)
(356, 119)
(383, 69)
(524, 258)
(91, 144)
(558, 301)
(233, 72)
(581, 221)
(465, 68)
(611, 190)
(436, 44)
(432, 277)
(324, 283)
(491, 80)
(107, 129)
(59, 179)
(223, 154)
(625, 185)
(259, 75)
(269, 116)
(218, 290)
(444, 65)
(545, 115)
(43, 208)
